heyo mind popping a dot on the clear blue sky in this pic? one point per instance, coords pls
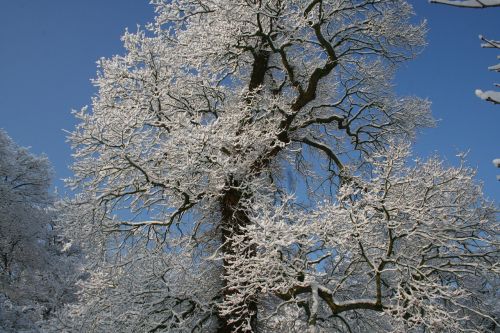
(48, 51)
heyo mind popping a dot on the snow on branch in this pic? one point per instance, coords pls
(413, 243)
(496, 162)
(489, 43)
(469, 3)
(489, 95)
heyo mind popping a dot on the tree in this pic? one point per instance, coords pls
(490, 95)
(33, 269)
(218, 111)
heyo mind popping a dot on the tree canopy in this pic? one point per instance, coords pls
(34, 271)
(243, 168)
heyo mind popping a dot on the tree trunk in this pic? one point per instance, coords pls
(234, 217)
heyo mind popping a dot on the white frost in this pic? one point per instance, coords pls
(489, 95)
(469, 3)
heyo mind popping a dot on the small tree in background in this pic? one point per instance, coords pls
(34, 273)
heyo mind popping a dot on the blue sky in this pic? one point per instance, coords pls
(49, 49)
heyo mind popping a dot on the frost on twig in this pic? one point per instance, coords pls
(489, 95)
(414, 243)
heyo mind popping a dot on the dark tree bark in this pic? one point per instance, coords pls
(234, 217)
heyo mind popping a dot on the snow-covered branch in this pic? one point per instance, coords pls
(469, 3)
(415, 243)
(489, 95)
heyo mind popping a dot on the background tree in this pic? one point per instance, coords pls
(218, 111)
(33, 270)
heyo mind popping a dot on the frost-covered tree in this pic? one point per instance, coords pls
(489, 95)
(33, 271)
(219, 111)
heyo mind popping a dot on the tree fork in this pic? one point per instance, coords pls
(261, 60)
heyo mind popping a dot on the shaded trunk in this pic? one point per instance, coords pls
(235, 219)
